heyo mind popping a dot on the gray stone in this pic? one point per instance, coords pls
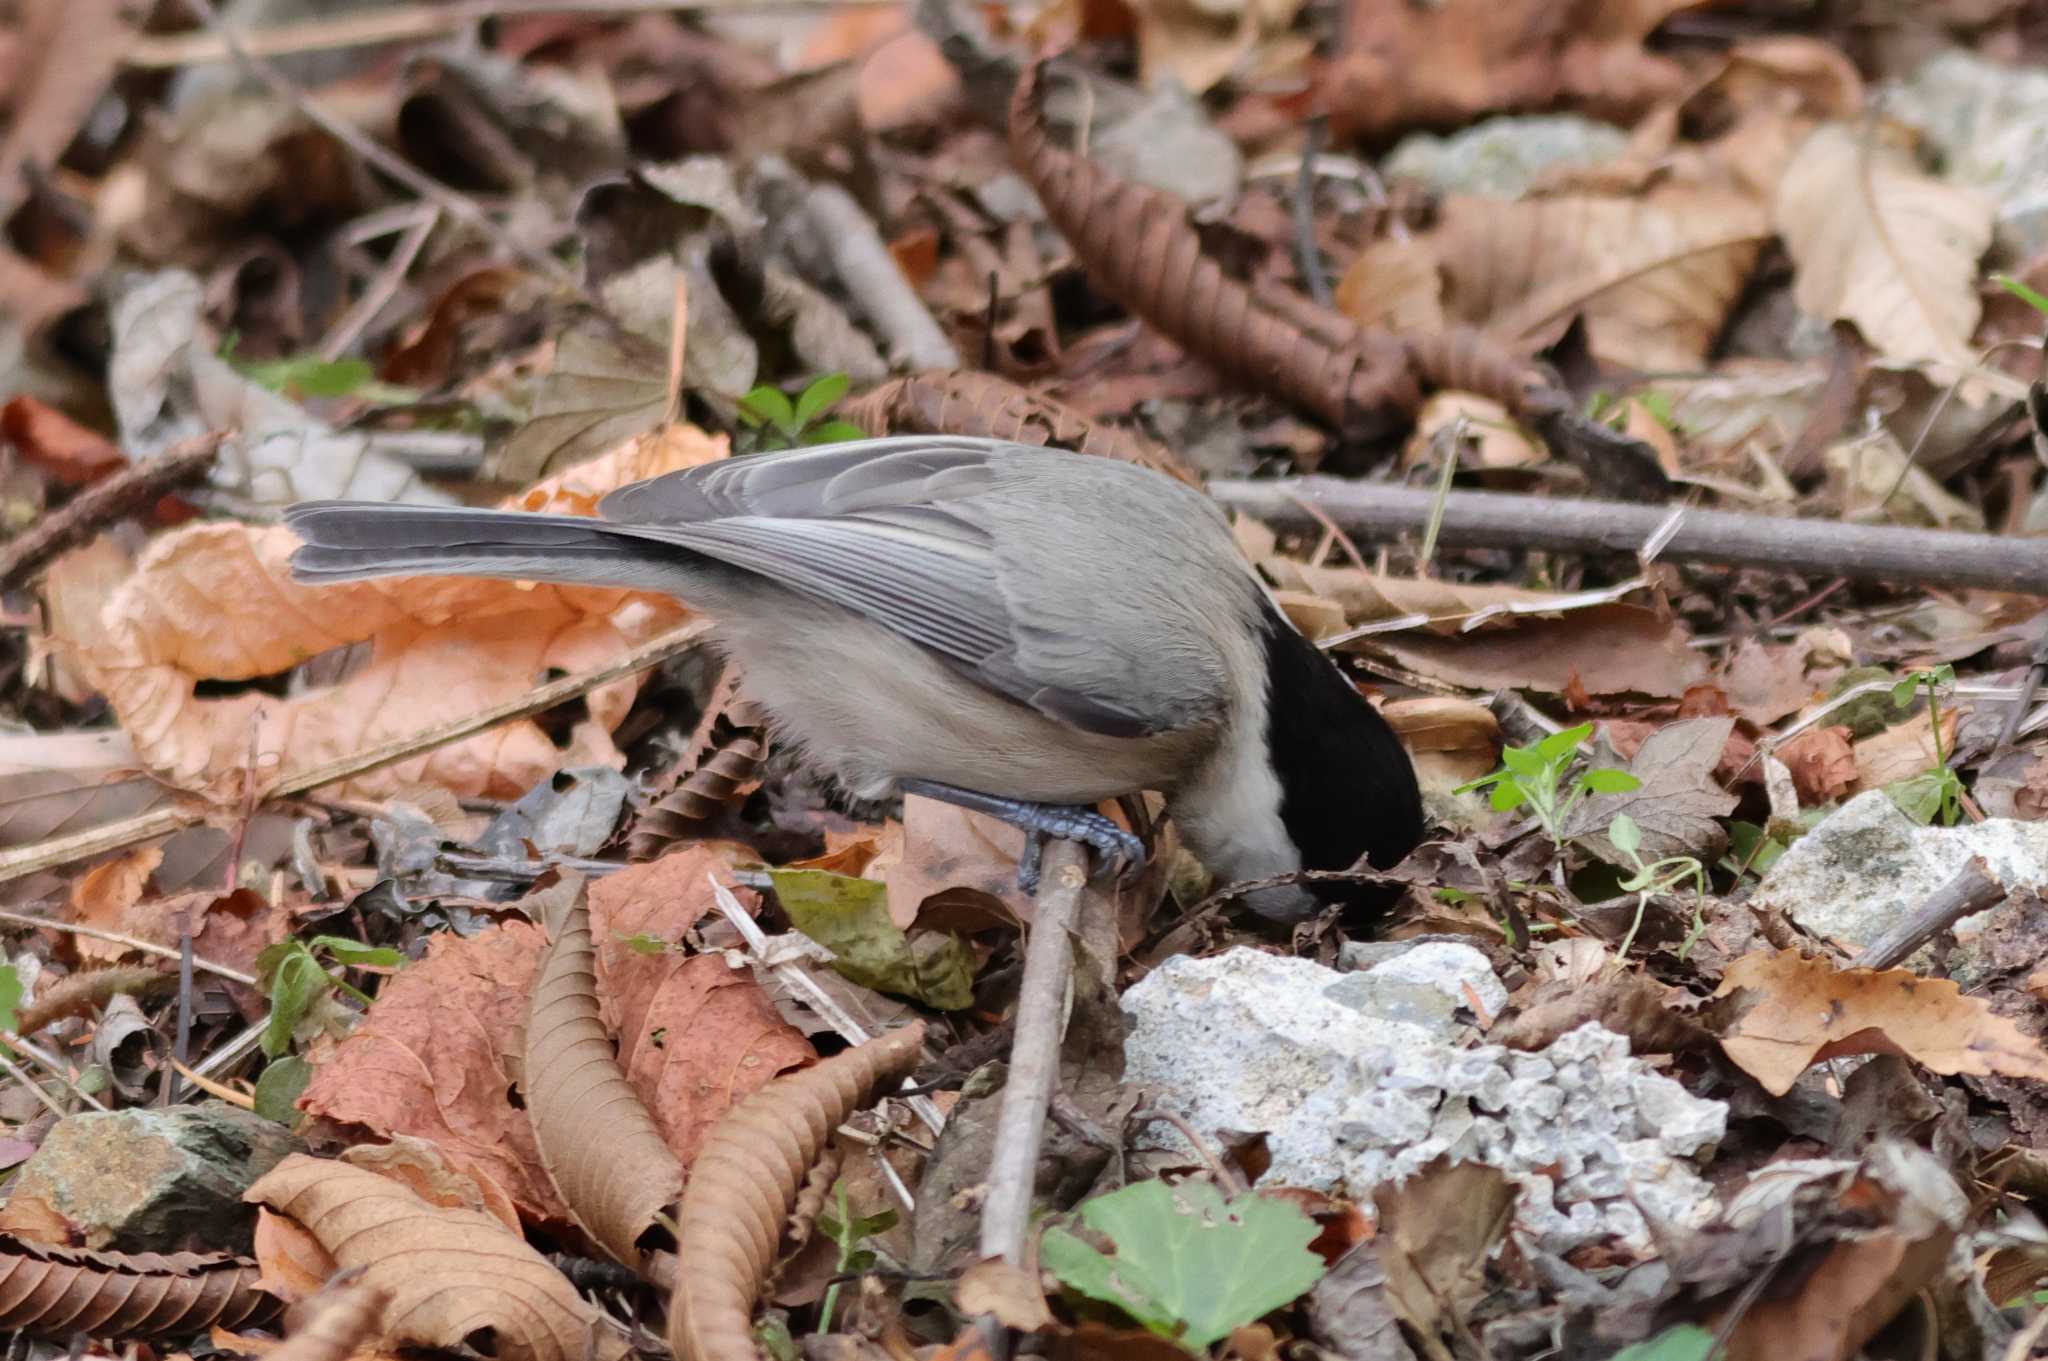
(153, 1180)
(1348, 1099)
(1867, 864)
(1989, 126)
(1503, 157)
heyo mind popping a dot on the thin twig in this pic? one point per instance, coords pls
(1972, 890)
(55, 1067)
(1309, 256)
(412, 239)
(875, 282)
(42, 855)
(133, 488)
(457, 205)
(1034, 1052)
(1227, 1181)
(1828, 548)
(136, 943)
(27, 1079)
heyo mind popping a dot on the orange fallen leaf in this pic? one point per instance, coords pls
(60, 446)
(1822, 762)
(1807, 1010)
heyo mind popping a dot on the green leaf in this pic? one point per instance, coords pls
(1559, 745)
(1919, 797)
(1623, 832)
(644, 944)
(2021, 291)
(1527, 762)
(277, 1091)
(819, 395)
(1608, 780)
(1686, 1342)
(355, 954)
(772, 1335)
(1482, 782)
(850, 917)
(293, 979)
(1508, 796)
(766, 405)
(1903, 692)
(10, 1003)
(835, 432)
(1187, 1266)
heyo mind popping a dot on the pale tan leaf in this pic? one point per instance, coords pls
(1806, 1010)
(58, 782)
(1488, 435)
(1881, 243)
(216, 602)
(1395, 284)
(1654, 277)
(448, 1272)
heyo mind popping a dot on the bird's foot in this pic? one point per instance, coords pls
(1121, 851)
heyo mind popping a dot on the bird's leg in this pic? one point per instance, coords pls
(1040, 820)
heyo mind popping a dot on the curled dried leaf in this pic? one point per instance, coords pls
(450, 1272)
(720, 768)
(983, 404)
(744, 1183)
(50, 1291)
(336, 1323)
(596, 1139)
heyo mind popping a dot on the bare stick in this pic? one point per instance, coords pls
(63, 850)
(1034, 1053)
(135, 943)
(1823, 548)
(875, 281)
(1973, 890)
(134, 487)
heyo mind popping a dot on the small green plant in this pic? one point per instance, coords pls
(1535, 776)
(10, 1003)
(1657, 876)
(775, 422)
(1188, 1265)
(301, 376)
(292, 976)
(848, 1231)
(2022, 292)
(1936, 793)
(1685, 1342)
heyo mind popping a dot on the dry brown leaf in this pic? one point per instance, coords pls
(293, 1263)
(1008, 1293)
(1629, 1004)
(1766, 681)
(1807, 1010)
(335, 1325)
(1441, 64)
(1394, 283)
(58, 782)
(1608, 649)
(1489, 436)
(1822, 762)
(1437, 1228)
(105, 895)
(437, 1175)
(66, 1292)
(1654, 277)
(944, 848)
(1879, 242)
(598, 1141)
(431, 1059)
(1855, 1291)
(694, 1034)
(216, 602)
(61, 447)
(1905, 749)
(1678, 802)
(449, 1272)
(75, 589)
(1199, 42)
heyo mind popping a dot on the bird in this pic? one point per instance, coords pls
(1019, 630)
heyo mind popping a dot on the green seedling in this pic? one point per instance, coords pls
(848, 1231)
(775, 422)
(291, 974)
(1535, 777)
(1936, 793)
(304, 376)
(1657, 876)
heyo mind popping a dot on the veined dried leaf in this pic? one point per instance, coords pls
(1487, 431)
(972, 403)
(216, 601)
(1396, 284)
(1654, 277)
(448, 1272)
(431, 1060)
(1807, 1010)
(743, 1184)
(1879, 242)
(719, 769)
(337, 1322)
(596, 1138)
(48, 1291)
(58, 782)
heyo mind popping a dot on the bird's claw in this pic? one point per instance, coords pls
(1122, 853)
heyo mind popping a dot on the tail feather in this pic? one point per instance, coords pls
(353, 541)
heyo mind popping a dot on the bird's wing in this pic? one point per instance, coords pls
(879, 527)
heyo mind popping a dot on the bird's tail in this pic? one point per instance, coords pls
(354, 540)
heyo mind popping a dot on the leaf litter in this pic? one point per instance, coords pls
(648, 240)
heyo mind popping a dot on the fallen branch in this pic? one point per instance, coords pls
(1471, 519)
(875, 281)
(134, 487)
(1973, 890)
(1034, 1053)
(42, 855)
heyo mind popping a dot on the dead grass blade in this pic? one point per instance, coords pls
(744, 1183)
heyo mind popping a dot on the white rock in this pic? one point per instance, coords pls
(1867, 864)
(1249, 1041)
